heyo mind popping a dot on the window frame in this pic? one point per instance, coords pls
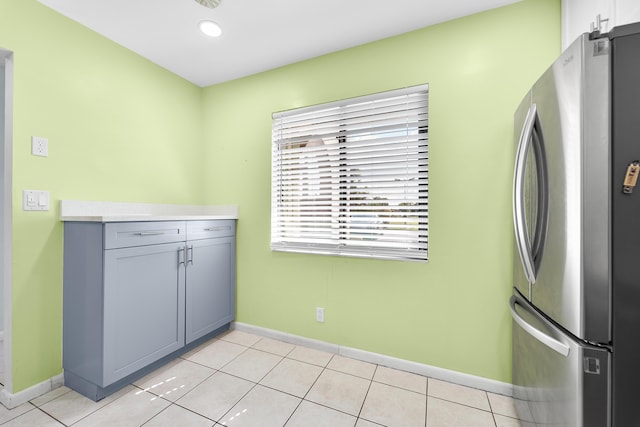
(334, 203)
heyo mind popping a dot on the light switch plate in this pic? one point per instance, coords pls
(35, 200)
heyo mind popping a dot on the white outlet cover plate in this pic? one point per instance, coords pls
(39, 146)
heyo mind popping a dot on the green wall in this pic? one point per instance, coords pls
(122, 129)
(452, 311)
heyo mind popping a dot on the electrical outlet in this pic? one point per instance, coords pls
(319, 314)
(39, 146)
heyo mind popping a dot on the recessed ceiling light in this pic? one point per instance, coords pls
(209, 3)
(210, 28)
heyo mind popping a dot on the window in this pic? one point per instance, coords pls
(351, 177)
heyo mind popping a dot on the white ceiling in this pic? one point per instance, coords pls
(258, 35)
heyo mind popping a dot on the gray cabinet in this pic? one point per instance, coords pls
(139, 293)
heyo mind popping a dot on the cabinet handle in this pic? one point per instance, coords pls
(190, 249)
(217, 228)
(181, 256)
(149, 233)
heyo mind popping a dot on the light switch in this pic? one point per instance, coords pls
(35, 200)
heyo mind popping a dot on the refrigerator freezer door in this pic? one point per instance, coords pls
(557, 379)
(572, 277)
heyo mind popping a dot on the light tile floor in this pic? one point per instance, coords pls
(241, 379)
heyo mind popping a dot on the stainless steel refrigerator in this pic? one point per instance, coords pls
(576, 297)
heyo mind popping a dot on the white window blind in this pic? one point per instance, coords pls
(351, 177)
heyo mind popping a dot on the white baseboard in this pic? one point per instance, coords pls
(435, 372)
(11, 401)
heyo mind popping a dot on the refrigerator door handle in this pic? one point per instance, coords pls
(519, 219)
(545, 339)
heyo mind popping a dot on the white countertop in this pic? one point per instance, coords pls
(88, 211)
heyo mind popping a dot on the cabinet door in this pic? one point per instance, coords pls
(143, 307)
(210, 285)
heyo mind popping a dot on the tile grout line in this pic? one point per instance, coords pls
(235, 376)
(215, 371)
(463, 404)
(217, 421)
(94, 411)
(161, 396)
(190, 410)
(48, 415)
(304, 398)
(357, 417)
(493, 415)
(149, 420)
(426, 402)
(366, 394)
(52, 417)
(255, 384)
(175, 402)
